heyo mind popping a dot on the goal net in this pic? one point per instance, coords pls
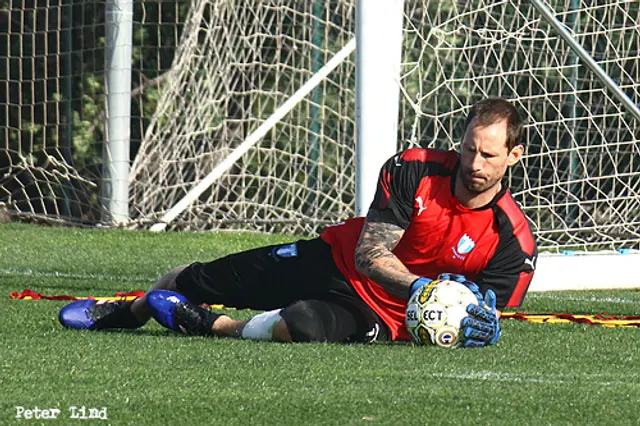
(240, 60)
(580, 181)
(238, 63)
(257, 110)
(52, 100)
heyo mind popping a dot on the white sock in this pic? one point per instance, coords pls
(261, 326)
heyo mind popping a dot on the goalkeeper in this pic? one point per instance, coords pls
(435, 212)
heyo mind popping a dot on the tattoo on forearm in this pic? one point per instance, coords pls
(374, 256)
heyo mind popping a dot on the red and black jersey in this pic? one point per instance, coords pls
(492, 245)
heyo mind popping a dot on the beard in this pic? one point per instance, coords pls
(477, 183)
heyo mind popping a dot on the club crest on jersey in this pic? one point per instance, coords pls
(465, 245)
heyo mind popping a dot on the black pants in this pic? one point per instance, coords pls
(301, 278)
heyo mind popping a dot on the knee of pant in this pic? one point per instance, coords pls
(304, 322)
(169, 281)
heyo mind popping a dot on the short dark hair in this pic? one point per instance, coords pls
(492, 110)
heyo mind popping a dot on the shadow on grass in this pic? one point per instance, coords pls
(151, 332)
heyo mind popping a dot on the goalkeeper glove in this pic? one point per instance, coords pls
(482, 327)
(475, 289)
(446, 276)
(417, 284)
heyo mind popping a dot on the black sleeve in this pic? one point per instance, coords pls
(510, 270)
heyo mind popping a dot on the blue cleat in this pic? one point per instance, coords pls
(173, 311)
(76, 315)
(97, 315)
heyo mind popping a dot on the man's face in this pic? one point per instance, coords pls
(485, 157)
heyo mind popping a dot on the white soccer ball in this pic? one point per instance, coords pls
(435, 311)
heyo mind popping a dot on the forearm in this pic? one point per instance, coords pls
(383, 267)
(374, 256)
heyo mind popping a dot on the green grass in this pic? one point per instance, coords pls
(538, 374)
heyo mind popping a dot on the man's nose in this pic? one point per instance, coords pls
(477, 162)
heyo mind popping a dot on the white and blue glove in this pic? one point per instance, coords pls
(417, 284)
(482, 326)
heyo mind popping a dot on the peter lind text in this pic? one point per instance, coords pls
(73, 412)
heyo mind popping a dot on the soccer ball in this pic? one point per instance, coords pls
(435, 311)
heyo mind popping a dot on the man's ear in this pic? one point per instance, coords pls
(515, 155)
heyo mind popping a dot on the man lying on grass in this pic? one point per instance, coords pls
(435, 212)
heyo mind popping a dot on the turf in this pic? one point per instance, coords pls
(537, 374)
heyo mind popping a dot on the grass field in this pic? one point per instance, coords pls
(538, 374)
